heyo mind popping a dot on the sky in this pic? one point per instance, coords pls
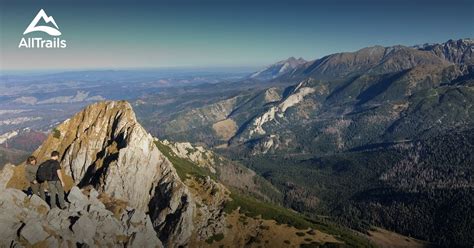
(226, 33)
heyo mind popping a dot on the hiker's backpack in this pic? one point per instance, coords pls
(45, 172)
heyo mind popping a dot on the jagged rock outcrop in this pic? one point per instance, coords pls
(210, 197)
(197, 154)
(257, 126)
(104, 146)
(29, 221)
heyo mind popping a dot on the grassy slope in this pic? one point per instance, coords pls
(253, 208)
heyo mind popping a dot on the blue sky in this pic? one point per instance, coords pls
(138, 34)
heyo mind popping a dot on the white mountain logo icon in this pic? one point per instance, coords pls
(48, 19)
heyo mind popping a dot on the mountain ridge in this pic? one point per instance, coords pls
(304, 128)
(388, 59)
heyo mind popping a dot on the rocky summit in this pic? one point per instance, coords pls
(126, 188)
(105, 147)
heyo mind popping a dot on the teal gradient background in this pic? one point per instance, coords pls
(149, 34)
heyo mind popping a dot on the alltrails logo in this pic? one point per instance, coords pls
(38, 42)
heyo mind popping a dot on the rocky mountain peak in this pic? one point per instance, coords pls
(279, 68)
(104, 146)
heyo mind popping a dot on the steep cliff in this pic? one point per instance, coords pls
(104, 146)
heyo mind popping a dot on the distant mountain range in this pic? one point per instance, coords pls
(328, 132)
(373, 60)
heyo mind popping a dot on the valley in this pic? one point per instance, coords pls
(380, 136)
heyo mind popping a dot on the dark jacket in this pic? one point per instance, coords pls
(53, 166)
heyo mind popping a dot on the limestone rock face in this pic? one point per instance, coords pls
(196, 154)
(210, 196)
(33, 232)
(104, 146)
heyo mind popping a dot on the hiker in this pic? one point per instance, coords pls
(30, 173)
(49, 172)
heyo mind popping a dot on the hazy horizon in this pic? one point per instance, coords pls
(183, 34)
(209, 69)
